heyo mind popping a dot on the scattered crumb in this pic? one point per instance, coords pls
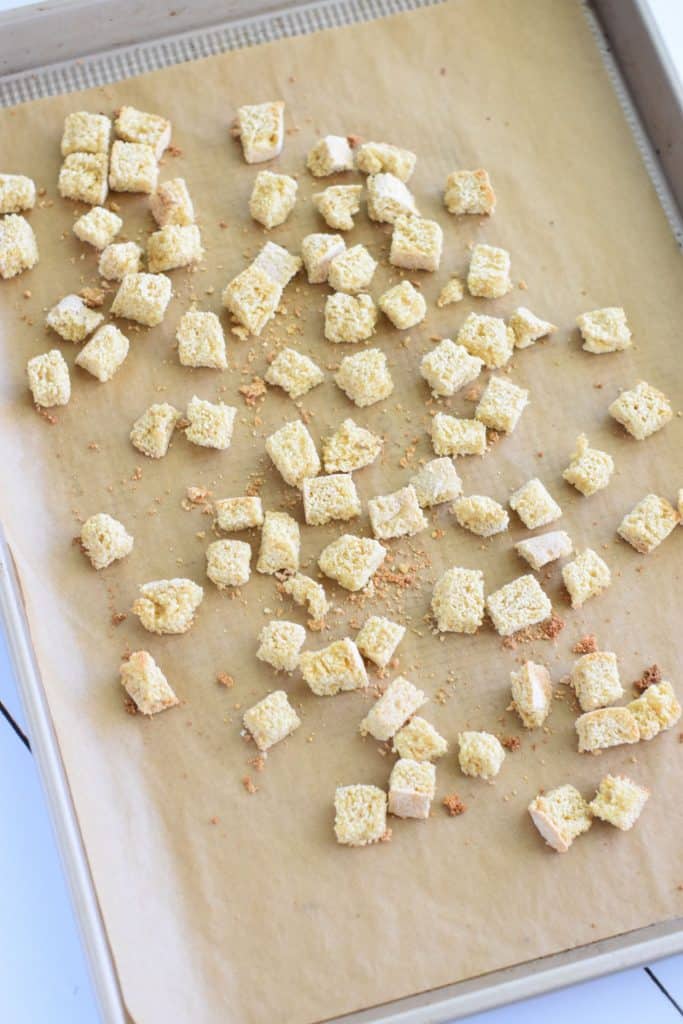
(117, 618)
(386, 837)
(225, 680)
(650, 677)
(454, 805)
(258, 762)
(511, 743)
(248, 784)
(93, 297)
(586, 644)
(254, 392)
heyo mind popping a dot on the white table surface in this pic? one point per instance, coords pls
(43, 974)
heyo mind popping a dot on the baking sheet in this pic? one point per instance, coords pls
(259, 914)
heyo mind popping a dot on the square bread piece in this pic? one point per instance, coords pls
(104, 540)
(349, 318)
(331, 155)
(586, 576)
(452, 291)
(174, 246)
(365, 377)
(453, 436)
(419, 741)
(133, 168)
(83, 178)
(253, 298)
(595, 680)
(98, 227)
(234, 514)
(318, 250)
(228, 563)
(389, 198)
(532, 694)
(590, 470)
(378, 639)
(480, 514)
(518, 604)
(293, 453)
(399, 701)
(436, 483)
(261, 130)
(271, 720)
(338, 205)
(337, 667)
(411, 788)
(489, 273)
(119, 259)
(152, 432)
(458, 601)
(403, 305)
(48, 379)
(210, 423)
(619, 801)
(360, 815)
(351, 561)
(18, 246)
(560, 816)
(146, 684)
(501, 405)
(469, 192)
(151, 130)
(201, 341)
(294, 372)
(606, 727)
(311, 595)
(379, 157)
(480, 755)
(350, 448)
(85, 133)
(104, 354)
(534, 505)
(658, 709)
(171, 203)
(547, 547)
(488, 338)
(648, 523)
(272, 199)
(279, 644)
(280, 544)
(330, 497)
(168, 606)
(278, 263)
(397, 514)
(143, 298)
(352, 270)
(72, 320)
(604, 330)
(416, 244)
(642, 410)
(449, 367)
(528, 328)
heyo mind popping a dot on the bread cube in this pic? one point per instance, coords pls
(280, 544)
(389, 198)
(658, 709)
(338, 205)
(252, 297)
(294, 372)
(590, 469)
(233, 514)
(619, 801)
(365, 377)
(18, 246)
(534, 505)
(452, 291)
(469, 192)
(481, 515)
(119, 259)
(272, 198)
(85, 133)
(278, 263)
(306, 592)
(83, 177)
(151, 130)
(228, 563)
(458, 601)
(560, 816)
(399, 701)
(532, 694)
(271, 720)
(587, 576)
(336, 667)
(352, 270)
(547, 547)
(261, 130)
(143, 298)
(381, 157)
(480, 755)
(201, 341)
(350, 447)
(293, 453)
(17, 193)
(72, 320)
(397, 514)
(360, 815)
(501, 405)
(436, 483)
(606, 727)
(146, 684)
(642, 410)
(528, 328)
(419, 741)
(330, 155)
(98, 227)
(403, 305)
(279, 644)
(349, 318)
(104, 353)
(132, 168)
(604, 330)
(517, 605)
(351, 561)
(330, 497)
(595, 680)
(104, 540)
(449, 367)
(152, 432)
(170, 203)
(378, 639)
(318, 250)
(416, 244)
(488, 338)
(489, 273)
(174, 246)
(411, 788)
(210, 424)
(453, 436)
(168, 606)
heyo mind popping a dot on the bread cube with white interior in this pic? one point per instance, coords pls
(590, 469)
(619, 801)
(294, 372)
(146, 684)
(253, 298)
(532, 694)
(480, 755)
(352, 270)
(18, 246)
(201, 341)
(458, 601)
(604, 330)
(143, 298)
(306, 592)
(397, 514)
(404, 305)
(595, 680)
(453, 436)
(411, 788)
(656, 710)
(333, 669)
(104, 353)
(261, 130)
(534, 504)
(389, 198)
(488, 338)
(330, 155)
(170, 203)
(271, 720)
(436, 483)
(327, 498)
(528, 328)
(234, 514)
(318, 250)
(501, 405)
(152, 432)
(379, 157)
(118, 259)
(279, 644)
(83, 178)
(360, 815)
(293, 453)
(452, 291)
(351, 561)
(547, 547)
(586, 576)
(481, 515)
(174, 246)
(85, 133)
(272, 199)
(449, 367)
(138, 126)
(469, 192)
(489, 273)
(338, 205)
(399, 701)
(517, 605)
(133, 168)
(105, 540)
(560, 815)
(72, 320)
(168, 606)
(642, 410)
(280, 544)
(350, 448)
(416, 244)
(228, 563)
(365, 377)
(349, 318)
(419, 741)
(606, 727)
(98, 227)
(378, 639)
(278, 263)
(210, 423)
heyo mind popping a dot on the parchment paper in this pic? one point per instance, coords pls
(259, 916)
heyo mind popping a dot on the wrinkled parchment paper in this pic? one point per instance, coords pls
(221, 905)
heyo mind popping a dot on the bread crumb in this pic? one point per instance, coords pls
(650, 677)
(225, 680)
(587, 644)
(454, 805)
